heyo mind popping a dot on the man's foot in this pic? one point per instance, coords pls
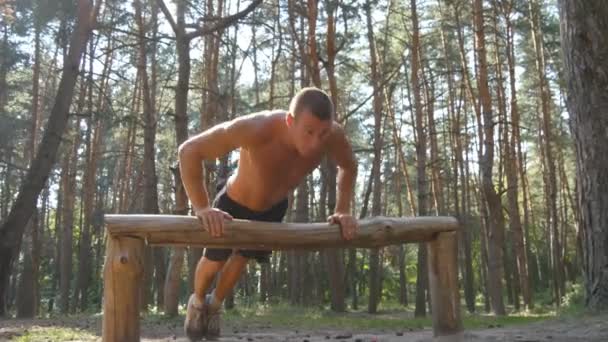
(213, 320)
(196, 319)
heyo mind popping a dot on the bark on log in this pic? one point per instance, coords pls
(187, 231)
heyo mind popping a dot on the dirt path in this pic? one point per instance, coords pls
(587, 329)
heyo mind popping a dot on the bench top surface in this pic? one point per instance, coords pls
(188, 231)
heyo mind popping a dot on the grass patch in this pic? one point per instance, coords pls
(315, 318)
(285, 316)
(391, 316)
(282, 316)
(55, 334)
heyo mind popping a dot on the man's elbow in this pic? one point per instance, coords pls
(350, 168)
(185, 150)
(181, 149)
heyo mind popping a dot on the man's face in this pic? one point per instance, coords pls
(308, 132)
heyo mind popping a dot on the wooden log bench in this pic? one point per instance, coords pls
(127, 235)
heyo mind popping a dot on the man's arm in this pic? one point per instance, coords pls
(245, 131)
(341, 153)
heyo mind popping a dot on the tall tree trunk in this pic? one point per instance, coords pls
(27, 294)
(292, 258)
(159, 254)
(584, 36)
(84, 261)
(469, 277)
(296, 265)
(494, 206)
(435, 161)
(401, 160)
(511, 164)
(375, 267)
(467, 88)
(461, 209)
(87, 266)
(422, 182)
(124, 168)
(4, 66)
(313, 57)
(571, 202)
(68, 208)
(57, 230)
(401, 251)
(150, 196)
(25, 300)
(352, 251)
(547, 146)
(328, 258)
(335, 264)
(171, 290)
(176, 261)
(85, 253)
(511, 277)
(269, 271)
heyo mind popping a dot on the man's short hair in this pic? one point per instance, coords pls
(314, 100)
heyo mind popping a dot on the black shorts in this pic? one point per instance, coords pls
(224, 202)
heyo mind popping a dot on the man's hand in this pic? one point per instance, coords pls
(212, 220)
(347, 223)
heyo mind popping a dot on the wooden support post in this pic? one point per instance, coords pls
(443, 282)
(123, 271)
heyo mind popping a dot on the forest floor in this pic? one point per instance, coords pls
(301, 325)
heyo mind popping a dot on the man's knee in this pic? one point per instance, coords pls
(239, 259)
(209, 267)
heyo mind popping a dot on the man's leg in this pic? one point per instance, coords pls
(197, 318)
(227, 279)
(206, 269)
(230, 275)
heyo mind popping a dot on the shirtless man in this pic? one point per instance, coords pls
(278, 149)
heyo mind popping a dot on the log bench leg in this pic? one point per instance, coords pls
(443, 283)
(123, 271)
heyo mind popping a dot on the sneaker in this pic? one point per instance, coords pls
(213, 321)
(196, 320)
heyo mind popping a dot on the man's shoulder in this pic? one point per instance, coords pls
(262, 125)
(263, 118)
(271, 118)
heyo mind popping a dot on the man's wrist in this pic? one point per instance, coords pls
(199, 207)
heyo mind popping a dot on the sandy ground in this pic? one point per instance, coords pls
(587, 328)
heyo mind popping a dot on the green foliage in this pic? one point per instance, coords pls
(574, 299)
(391, 316)
(287, 316)
(55, 333)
